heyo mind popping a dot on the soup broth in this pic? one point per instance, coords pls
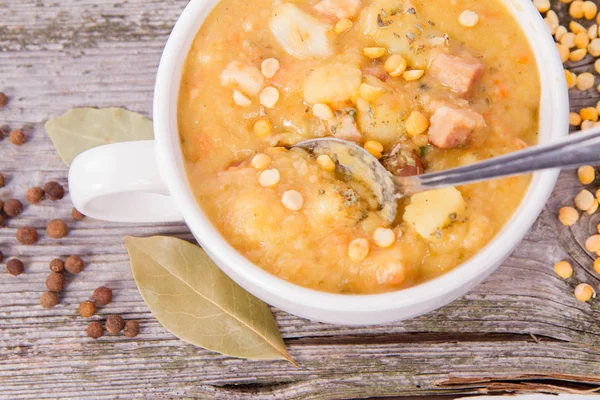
(423, 85)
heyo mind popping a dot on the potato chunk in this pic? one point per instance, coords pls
(433, 210)
(332, 83)
(301, 35)
(399, 27)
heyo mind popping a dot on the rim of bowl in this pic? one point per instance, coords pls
(172, 169)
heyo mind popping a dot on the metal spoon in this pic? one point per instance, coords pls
(358, 164)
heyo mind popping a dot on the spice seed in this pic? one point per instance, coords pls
(13, 208)
(114, 324)
(54, 191)
(27, 235)
(132, 329)
(35, 195)
(15, 267)
(95, 330)
(49, 300)
(57, 229)
(102, 296)
(74, 265)
(87, 309)
(77, 215)
(57, 265)
(17, 137)
(55, 282)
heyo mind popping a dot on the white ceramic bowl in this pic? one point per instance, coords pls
(335, 308)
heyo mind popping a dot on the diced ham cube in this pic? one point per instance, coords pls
(452, 127)
(343, 126)
(339, 9)
(458, 73)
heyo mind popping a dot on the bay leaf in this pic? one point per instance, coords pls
(194, 300)
(81, 129)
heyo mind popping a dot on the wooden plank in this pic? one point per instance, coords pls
(56, 55)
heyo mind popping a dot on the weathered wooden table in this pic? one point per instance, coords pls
(520, 331)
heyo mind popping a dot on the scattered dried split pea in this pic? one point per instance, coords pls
(574, 119)
(593, 32)
(292, 200)
(597, 265)
(590, 9)
(563, 52)
(587, 125)
(374, 52)
(592, 244)
(384, 237)
(468, 19)
(552, 21)
(584, 81)
(269, 177)
(260, 161)
(322, 111)
(560, 32)
(570, 77)
(263, 127)
(326, 163)
(593, 208)
(395, 65)
(578, 55)
(270, 67)
(584, 292)
(568, 216)
(589, 114)
(563, 269)
(542, 5)
(416, 124)
(576, 27)
(568, 40)
(594, 48)
(241, 99)
(358, 250)
(269, 96)
(582, 40)
(597, 66)
(368, 92)
(413, 75)
(576, 9)
(586, 174)
(343, 25)
(584, 200)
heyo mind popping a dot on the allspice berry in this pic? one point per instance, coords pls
(132, 329)
(3, 100)
(102, 296)
(77, 215)
(114, 324)
(57, 229)
(27, 235)
(35, 195)
(57, 265)
(15, 267)
(1, 256)
(17, 137)
(74, 264)
(95, 330)
(49, 300)
(87, 309)
(1, 181)
(54, 191)
(55, 282)
(13, 207)
(2, 223)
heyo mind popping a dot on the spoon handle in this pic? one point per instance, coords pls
(575, 150)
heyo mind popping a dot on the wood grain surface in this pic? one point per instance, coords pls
(519, 331)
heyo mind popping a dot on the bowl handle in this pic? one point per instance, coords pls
(121, 182)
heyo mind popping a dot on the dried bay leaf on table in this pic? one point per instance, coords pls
(81, 129)
(193, 299)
